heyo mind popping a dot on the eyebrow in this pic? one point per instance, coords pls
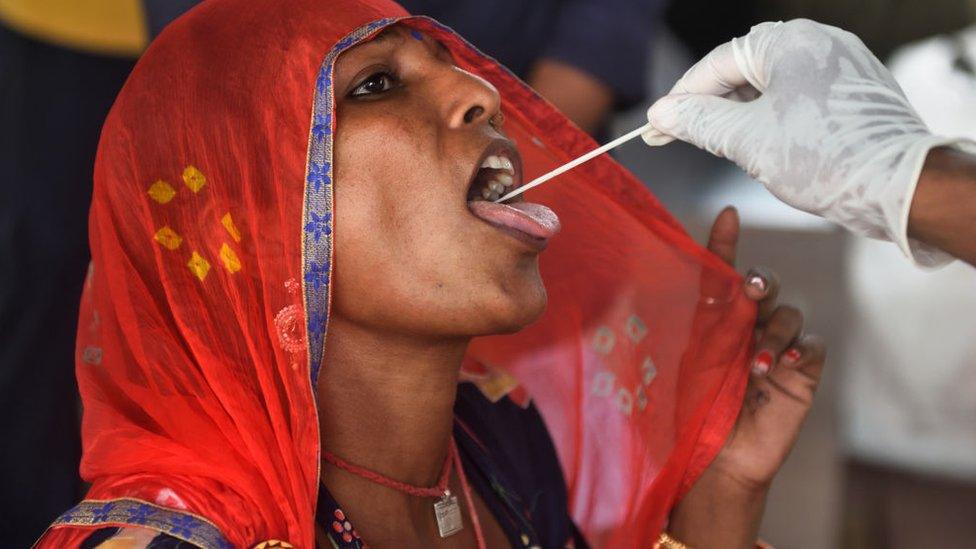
(385, 35)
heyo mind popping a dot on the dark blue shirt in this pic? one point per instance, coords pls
(609, 39)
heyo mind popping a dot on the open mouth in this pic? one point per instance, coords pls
(499, 173)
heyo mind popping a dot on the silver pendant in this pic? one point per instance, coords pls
(448, 514)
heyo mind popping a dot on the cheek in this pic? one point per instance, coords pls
(408, 254)
(384, 252)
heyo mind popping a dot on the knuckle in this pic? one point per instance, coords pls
(789, 314)
(815, 347)
(777, 337)
(802, 25)
(774, 342)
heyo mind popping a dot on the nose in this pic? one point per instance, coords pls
(472, 99)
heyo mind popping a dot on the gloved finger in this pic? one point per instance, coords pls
(654, 138)
(779, 334)
(688, 118)
(762, 286)
(717, 73)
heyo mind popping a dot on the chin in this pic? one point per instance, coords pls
(516, 310)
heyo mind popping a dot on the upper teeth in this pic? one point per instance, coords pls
(496, 187)
(498, 163)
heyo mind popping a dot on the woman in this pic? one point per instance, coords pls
(284, 192)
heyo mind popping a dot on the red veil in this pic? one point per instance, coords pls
(205, 310)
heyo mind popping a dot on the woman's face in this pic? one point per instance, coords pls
(411, 257)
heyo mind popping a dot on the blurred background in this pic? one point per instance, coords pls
(888, 456)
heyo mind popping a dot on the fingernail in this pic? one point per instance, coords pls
(762, 363)
(791, 356)
(757, 282)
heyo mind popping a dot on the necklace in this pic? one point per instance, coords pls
(447, 512)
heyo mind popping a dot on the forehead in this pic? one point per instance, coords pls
(393, 39)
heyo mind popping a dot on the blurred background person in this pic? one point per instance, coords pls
(61, 64)
(587, 57)
(909, 391)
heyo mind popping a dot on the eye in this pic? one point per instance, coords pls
(376, 83)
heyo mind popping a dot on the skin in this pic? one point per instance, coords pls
(724, 508)
(582, 98)
(945, 203)
(417, 276)
(461, 279)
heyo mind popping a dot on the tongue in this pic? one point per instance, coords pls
(533, 219)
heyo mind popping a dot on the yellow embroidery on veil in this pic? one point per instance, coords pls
(194, 178)
(199, 266)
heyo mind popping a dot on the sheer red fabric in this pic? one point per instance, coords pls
(206, 306)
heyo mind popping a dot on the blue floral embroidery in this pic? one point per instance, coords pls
(140, 515)
(317, 275)
(179, 524)
(319, 225)
(101, 513)
(316, 324)
(182, 525)
(324, 79)
(318, 174)
(69, 515)
(322, 126)
(317, 237)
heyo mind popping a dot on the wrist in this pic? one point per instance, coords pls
(944, 199)
(720, 511)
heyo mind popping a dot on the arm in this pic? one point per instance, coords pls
(581, 97)
(830, 133)
(716, 513)
(943, 210)
(595, 58)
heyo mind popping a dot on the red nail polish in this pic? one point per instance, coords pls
(792, 355)
(762, 363)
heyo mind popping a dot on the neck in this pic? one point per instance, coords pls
(386, 402)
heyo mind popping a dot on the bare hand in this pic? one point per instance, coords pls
(724, 507)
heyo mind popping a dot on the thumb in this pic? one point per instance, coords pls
(702, 120)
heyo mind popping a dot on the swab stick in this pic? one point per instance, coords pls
(573, 163)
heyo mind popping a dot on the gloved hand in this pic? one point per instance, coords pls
(830, 132)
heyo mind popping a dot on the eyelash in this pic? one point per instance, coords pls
(360, 90)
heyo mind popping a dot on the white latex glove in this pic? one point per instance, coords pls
(831, 133)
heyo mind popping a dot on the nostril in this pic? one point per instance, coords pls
(473, 114)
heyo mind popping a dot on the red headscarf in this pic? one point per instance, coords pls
(205, 309)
